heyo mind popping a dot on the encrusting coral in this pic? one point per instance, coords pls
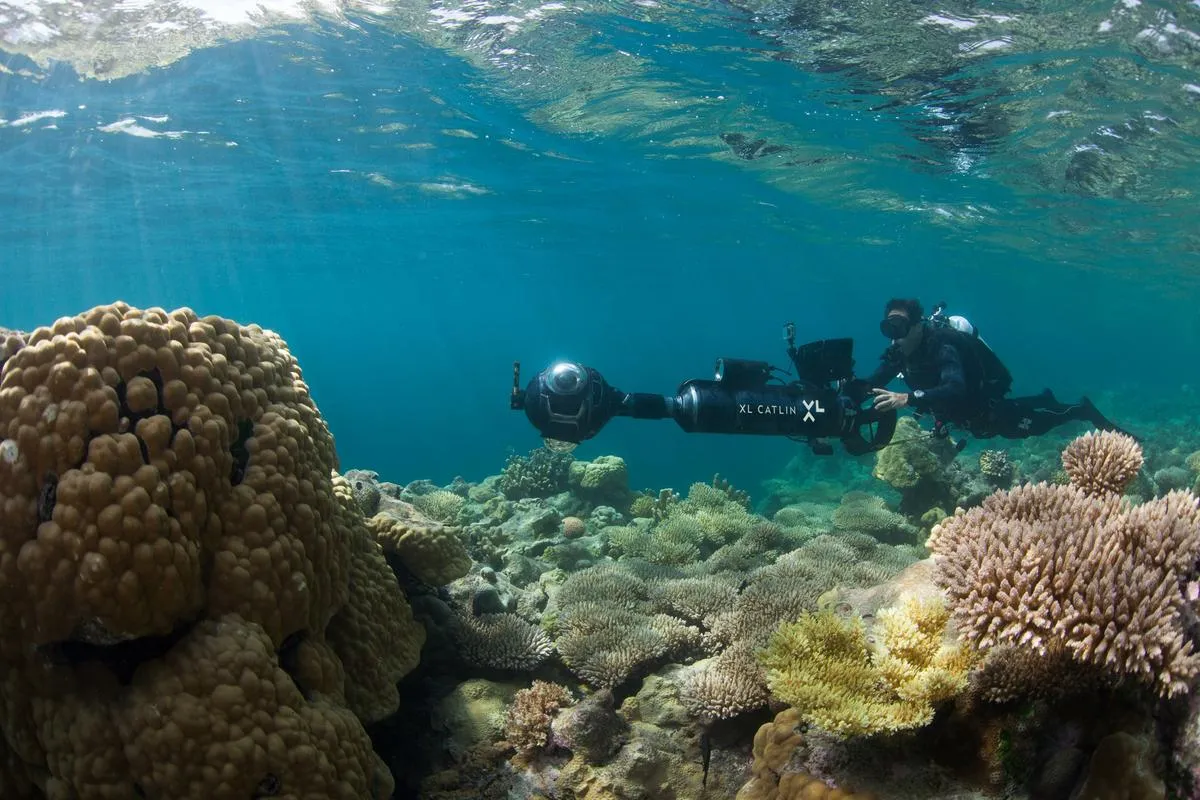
(375, 612)
(430, 550)
(1078, 567)
(190, 604)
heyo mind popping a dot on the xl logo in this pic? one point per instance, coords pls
(809, 407)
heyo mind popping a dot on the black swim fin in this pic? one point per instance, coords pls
(1102, 422)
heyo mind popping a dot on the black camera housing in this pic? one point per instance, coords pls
(823, 402)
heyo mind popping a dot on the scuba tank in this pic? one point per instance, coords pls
(959, 323)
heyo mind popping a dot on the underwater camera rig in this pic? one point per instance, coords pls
(571, 402)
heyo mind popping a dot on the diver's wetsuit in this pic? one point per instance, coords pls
(956, 391)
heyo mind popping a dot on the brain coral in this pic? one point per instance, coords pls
(173, 557)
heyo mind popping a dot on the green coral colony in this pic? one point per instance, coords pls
(198, 602)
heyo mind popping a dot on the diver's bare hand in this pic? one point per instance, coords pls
(886, 401)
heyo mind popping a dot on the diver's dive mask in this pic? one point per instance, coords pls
(896, 326)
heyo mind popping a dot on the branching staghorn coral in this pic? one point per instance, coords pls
(500, 641)
(824, 667)
(1078, 567)
(1102, 462)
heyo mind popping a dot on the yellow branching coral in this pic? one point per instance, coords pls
(915, 659)
(825, 667)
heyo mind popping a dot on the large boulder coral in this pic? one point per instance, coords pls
(917, 465)
(175, 562)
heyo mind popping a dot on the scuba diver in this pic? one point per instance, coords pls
(954, 375)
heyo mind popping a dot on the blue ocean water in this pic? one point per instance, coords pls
(411, 224)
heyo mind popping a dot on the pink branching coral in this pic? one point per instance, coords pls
(1102, 462)
(1080, 568)
(527, 722)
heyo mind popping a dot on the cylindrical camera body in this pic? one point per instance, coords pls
(714, 407)
(739, 373)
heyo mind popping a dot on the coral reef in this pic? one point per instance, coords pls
(542, 473)
(824, 667)
(1078, 567)
(190, 603)
(678, 621)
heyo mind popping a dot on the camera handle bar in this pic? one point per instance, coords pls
(571, 402)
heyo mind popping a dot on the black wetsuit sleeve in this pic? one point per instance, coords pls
(889, 367)
(952, 384)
